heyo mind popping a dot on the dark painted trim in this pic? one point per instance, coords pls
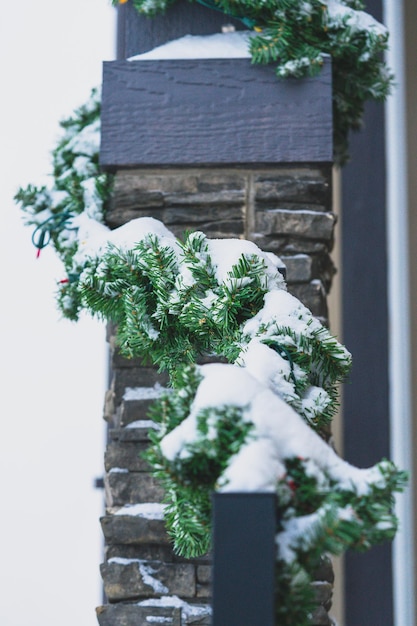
(210, 112)
(366, 438)
(244, 528)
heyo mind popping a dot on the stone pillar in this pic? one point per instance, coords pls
(284, 209)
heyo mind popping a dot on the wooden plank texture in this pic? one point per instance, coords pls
(212, 111)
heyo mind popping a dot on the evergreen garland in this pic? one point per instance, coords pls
(296, 35)
(79, 189)
(326, 506)
(175, 301)
(253, 421)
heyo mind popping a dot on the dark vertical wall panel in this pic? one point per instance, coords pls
(137, 33)
(365, 333)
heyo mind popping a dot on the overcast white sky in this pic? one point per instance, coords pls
(53, 372)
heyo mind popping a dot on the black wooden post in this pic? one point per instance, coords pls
(244, 559)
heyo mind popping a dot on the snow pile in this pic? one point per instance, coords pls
(143, 424)
(342, 16)
(147, 510)
(143, 393)
(279, 434)
(218, 46)
(94, 237)
(187, 610)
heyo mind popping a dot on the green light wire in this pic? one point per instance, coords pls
(211, 4)
(42, 234)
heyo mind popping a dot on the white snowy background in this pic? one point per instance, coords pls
(53, 372)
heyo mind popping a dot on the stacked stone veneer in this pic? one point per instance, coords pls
(286, 210)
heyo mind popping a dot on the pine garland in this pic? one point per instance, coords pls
(175, 301)
(79, 189)
(253, 423)
(326, 505)
(296, 36)
(64, 212)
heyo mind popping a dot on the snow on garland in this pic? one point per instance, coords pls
(77, 197)
(253, 423)
(355, 41)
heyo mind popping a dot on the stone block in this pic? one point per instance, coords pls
(133, 529)
(303, 268)
(173, 184)
(313, 295)
(127, 579)
(109, 413)
(209, 201)
(190, 620)
(131, 488)
(320, 617)
(131, 377)
(303, 185)
(288, 245)
(127, 614)
(225, 221)
(324, 571)
(204, 574)
(323, 592)
(138, 432)
(137, 410)
(126, 455)
(204, 591)
(305, 224)
(145, 552)
(299, 268)
(134, 615)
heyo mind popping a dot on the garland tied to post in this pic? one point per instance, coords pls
(79, 193)
(292, 33)
(252, 423)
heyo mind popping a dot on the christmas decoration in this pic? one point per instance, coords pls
(256, 420)
(79, 192)
(296, 35)
(252, 422)
(339, 28)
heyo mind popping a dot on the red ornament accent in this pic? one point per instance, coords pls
(64, 281)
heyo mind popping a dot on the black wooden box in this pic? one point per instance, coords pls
(212, 112)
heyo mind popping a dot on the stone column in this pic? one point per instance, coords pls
(283, 209)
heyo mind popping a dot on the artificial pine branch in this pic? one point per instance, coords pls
(79, 188)
(173, 302)
(326, 506)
